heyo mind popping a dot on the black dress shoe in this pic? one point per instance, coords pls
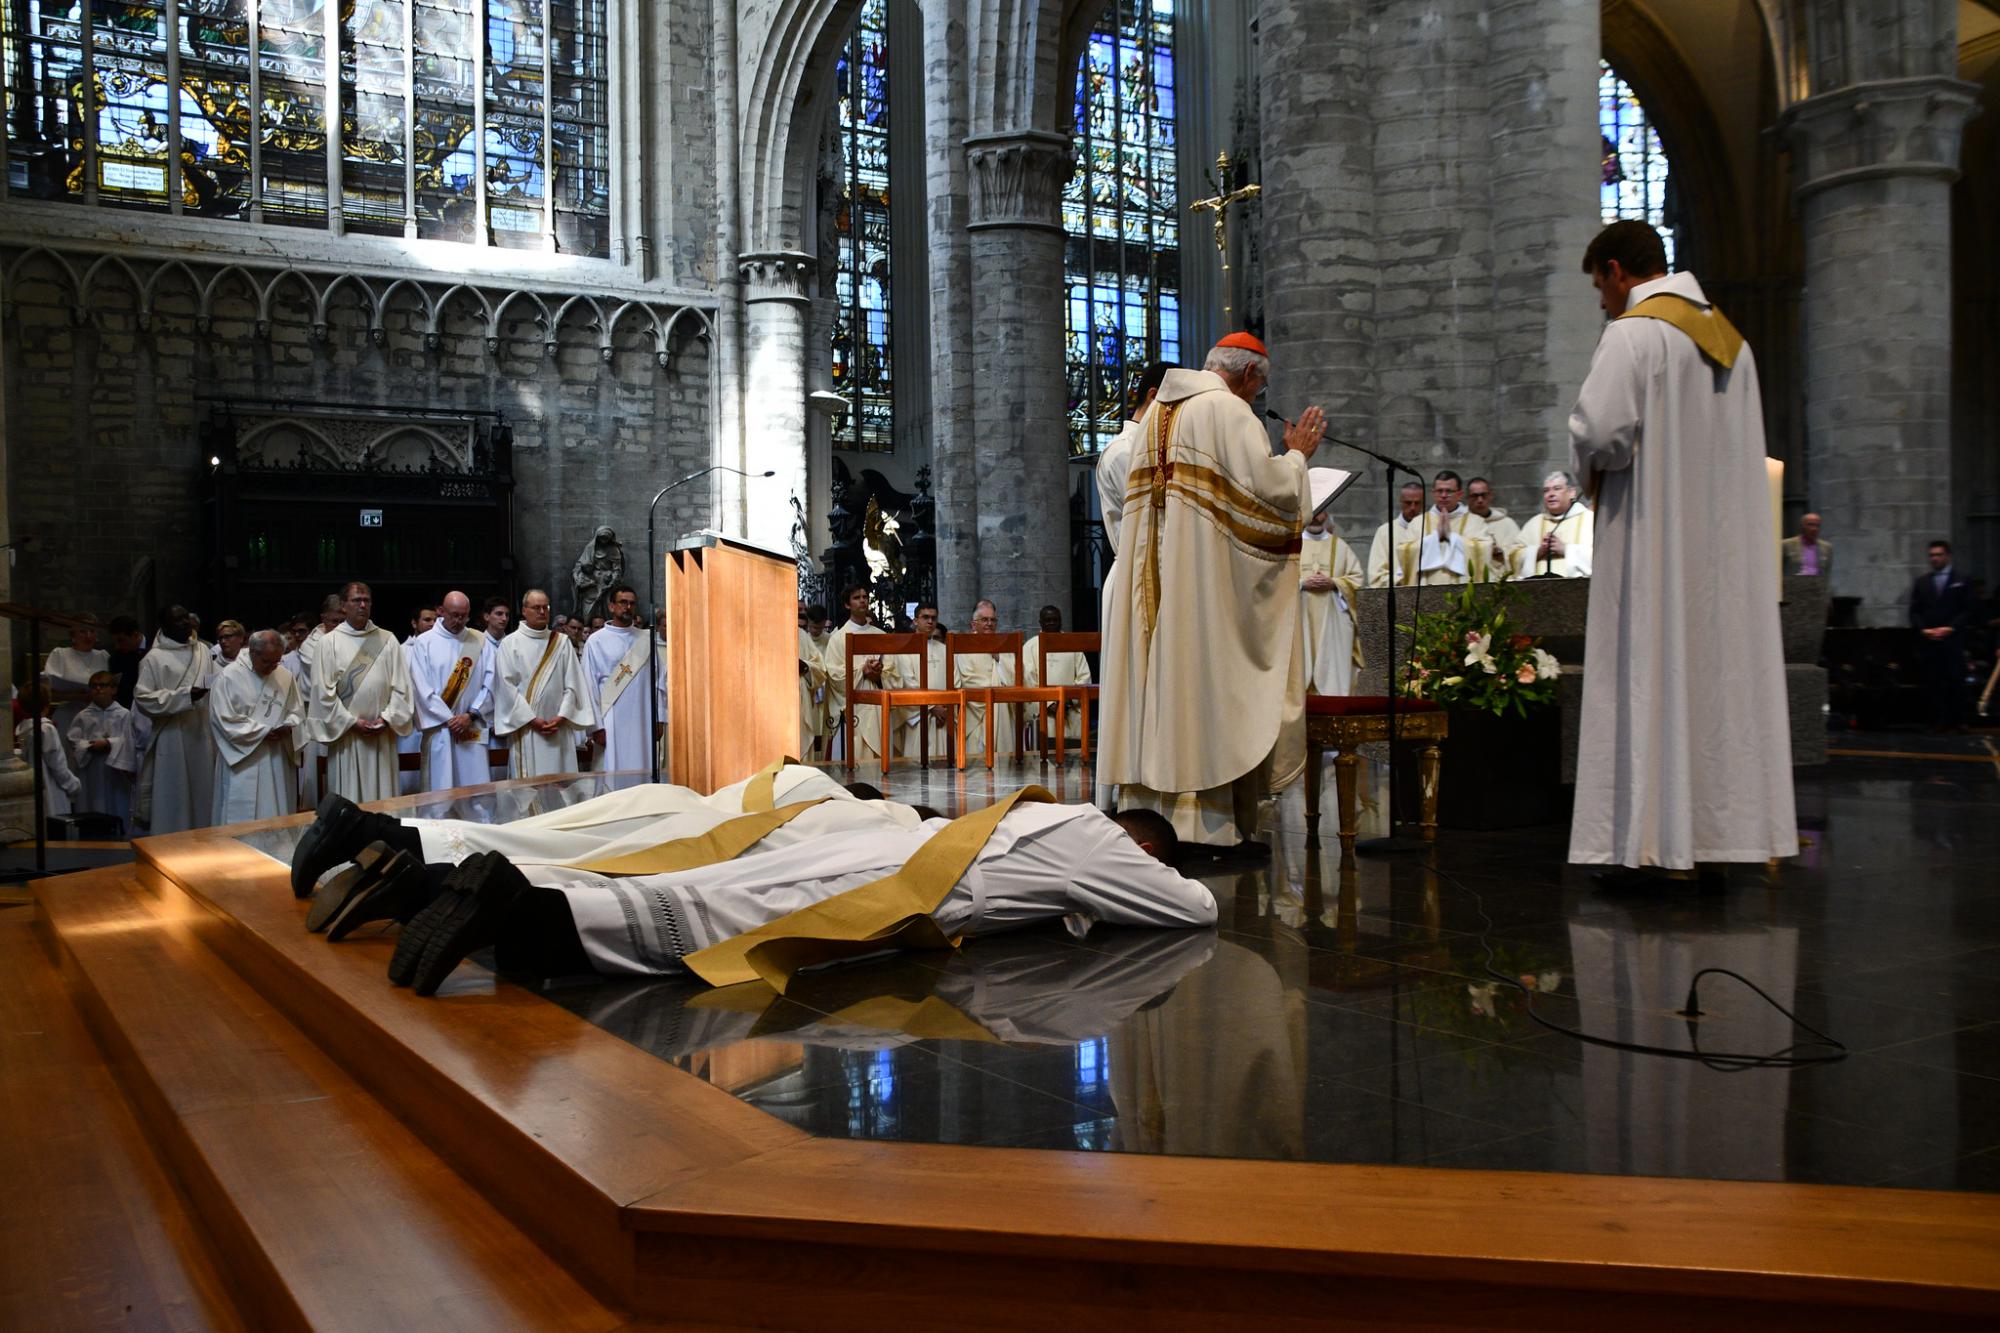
(395, 892)
(465, 917)
(335, 836)
(339, 885)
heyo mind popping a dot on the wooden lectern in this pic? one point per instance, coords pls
(732, 659)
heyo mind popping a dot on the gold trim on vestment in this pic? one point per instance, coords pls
(1712, 333)
(893, 912)
(725, 842)
(761, 792)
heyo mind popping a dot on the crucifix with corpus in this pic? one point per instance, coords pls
(1220, 205)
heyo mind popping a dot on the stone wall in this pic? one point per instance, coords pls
(104, 461)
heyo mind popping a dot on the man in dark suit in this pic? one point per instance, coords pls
(1941, 613)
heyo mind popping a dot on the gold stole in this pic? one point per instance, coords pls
(1714, 336)
(725, 842)
(893, 912)
(761, 792)
(534, 681)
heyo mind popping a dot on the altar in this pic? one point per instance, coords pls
(1558, 609)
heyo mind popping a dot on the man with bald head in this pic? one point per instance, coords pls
(254, 712)
(451, 687)
(360, 701)
(1808, 553)
(541, 701)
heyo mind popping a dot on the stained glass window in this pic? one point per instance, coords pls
(1121, 210)
(413, 82)
(1636, 182)
(861, 362)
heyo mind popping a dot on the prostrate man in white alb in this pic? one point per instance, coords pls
(1557, 540)
(253, 714)
(615, 665)
(541, 700)
(1399, 540)
(865, 744)
(176, 783)
(451, 682)
(1503, 534)
(844, 895)
(1685, 752)
(360, 701)
(1065, 668)
(1329, 577)
(1204, 667)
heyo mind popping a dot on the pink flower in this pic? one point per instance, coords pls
(1472, 636)
(1526, 675)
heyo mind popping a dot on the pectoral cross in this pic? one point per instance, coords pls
(1220, 205)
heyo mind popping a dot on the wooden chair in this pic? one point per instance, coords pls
(889, 645)
(928, 694)
(1071, 643)
(1344, 723)
(1000, 696)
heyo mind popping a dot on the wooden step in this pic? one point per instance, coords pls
(93, 1234)
(327, 1211)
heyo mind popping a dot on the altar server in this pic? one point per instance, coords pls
(1685, 755)
(60, 786)
(100, 742)
(1329, 576)
(616, 663)
(253, 716)
(177, 780)
(451, 682)
(541, 701)
(360, 701)
(67, 673)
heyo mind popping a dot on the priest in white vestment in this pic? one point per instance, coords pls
(1685, 750)
(100, 741)
(1557, 540)
(865, 744)
(812, 680)
(1329, 577)
(1204, 664)
(1455, 547)
(1397, 542)
(176, 782)
(1042, 861)
(911, 730)
(617, 661)
(541, 701)
(253, 714)
(331, 612)
(410, 781)
(67, 673)
(451, 683)
(1503, 534)
(985, 671)
(1065, 668)
(360, 702)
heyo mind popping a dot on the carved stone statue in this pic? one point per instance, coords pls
(597, 572)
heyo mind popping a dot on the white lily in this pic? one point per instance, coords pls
(1545, 664)
(1481, 652)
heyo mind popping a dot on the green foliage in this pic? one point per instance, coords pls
(1468, 655)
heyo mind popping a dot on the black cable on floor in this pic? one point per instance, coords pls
(1728, 1062)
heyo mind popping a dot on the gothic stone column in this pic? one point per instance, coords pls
(777, 321)
(1875, 162)
(1020, 431)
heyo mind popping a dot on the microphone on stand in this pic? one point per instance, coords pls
(1548, 555)
(653, 586)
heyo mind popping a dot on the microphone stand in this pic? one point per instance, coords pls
(1549, 556)
(1392, 843)
(653, 621)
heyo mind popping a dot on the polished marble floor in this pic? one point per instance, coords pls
(1346, 1013)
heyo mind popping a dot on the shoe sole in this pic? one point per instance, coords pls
(381, 899)
(418, 930)
(326, 821)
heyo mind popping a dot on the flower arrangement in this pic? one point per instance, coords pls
(1468, 656)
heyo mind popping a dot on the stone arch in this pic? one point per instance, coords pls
(102, 263)
(434, 332)
(279, 279)
(156, 283)
(59, 268)
(785, 108)
(379, 330)
(254, 294)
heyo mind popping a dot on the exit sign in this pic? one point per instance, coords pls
(371, 518)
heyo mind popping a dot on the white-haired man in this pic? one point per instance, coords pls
(253, 714)
(1557, 540)
(1204, 664)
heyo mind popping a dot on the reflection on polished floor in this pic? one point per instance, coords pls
(1344, 1014)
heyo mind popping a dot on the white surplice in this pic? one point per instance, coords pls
(68, 669)
(60, 786)
(358, 675)
(1409, 535)
(899, 672)
(1685, 749)
(1574, 529)
(1204, 662)
(460, 664)
(1064, 669)
(106, 774)
(311, 752)
(867, 718)
(177, 780)
(537, 676)
(614, 654)
(985, 671)
(1329, 614)
(1042, 861)
(812, 679)
(256, 773)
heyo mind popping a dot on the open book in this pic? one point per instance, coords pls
(1327, 485)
